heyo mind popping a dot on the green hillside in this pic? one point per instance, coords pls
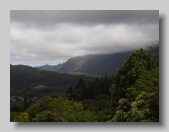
(37, 82)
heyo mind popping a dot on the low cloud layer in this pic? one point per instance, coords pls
(52, 37)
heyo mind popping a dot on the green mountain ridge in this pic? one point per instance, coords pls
(51, 67)
(95, 64)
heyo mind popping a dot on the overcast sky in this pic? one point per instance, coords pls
(52, 37)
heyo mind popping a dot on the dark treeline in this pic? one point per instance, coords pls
(90, 91)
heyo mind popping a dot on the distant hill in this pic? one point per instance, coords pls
(49, 67)
(37, 82)
(95, 64)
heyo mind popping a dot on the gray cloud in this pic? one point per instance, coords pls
(49, 18)
(51, 37)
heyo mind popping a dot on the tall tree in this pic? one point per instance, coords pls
(138, 63)
(80, 90)
(70, 93)
(155, 47)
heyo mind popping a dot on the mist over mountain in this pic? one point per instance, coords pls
(95, 64)
(92, 64)
(53, 67)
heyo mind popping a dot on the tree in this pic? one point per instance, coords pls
(135, 76)
(148, 87)
(140, 111)
(70, 93)
(59, 109)
(155, 48)
(80, 91)
(23, 117)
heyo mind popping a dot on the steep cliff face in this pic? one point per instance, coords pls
(95, 64)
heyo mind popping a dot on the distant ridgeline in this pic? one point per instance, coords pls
(53, 67)
(38, 82)
(92, 64)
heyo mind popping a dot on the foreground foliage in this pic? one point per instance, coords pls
(61, 109)
(135, 90)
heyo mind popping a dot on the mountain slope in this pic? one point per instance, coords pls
(49, 67)
(37, 82)
(95, 64)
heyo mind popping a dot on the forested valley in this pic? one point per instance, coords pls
(129, 95)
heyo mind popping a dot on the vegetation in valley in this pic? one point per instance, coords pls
(130, 95)
(37, 82)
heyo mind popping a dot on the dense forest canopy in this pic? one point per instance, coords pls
(130, 95)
